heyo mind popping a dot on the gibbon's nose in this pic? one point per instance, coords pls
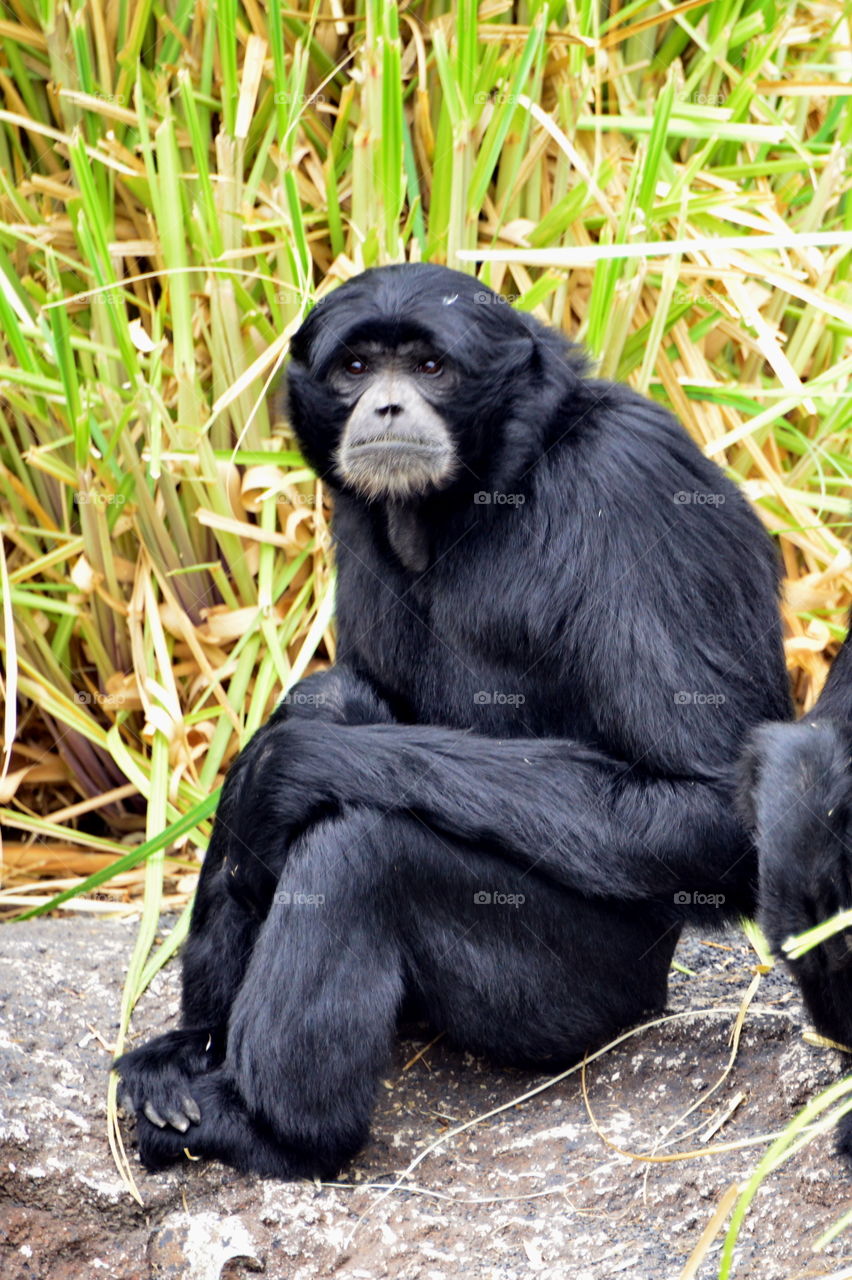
(388, 410)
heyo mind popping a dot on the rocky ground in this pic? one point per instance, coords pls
(537, 1191)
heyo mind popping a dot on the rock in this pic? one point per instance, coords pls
(534, 1190)
(196, 1246)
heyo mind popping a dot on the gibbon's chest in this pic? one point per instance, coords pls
(450, 644)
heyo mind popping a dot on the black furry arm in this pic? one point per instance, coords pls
(556, 807)
(334, 696)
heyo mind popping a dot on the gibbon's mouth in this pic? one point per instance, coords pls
(394, 467)
(398, 446)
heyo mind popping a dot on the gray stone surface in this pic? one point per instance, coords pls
(532, 1192)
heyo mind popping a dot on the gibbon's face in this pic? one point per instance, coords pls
(396, 443)
(401, 379)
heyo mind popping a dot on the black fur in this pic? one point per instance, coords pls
(549, 713)
(797, 795)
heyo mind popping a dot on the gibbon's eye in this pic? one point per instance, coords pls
(432, 368)
(355, 368)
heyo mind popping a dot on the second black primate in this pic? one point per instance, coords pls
(797, 793)
(557, 623)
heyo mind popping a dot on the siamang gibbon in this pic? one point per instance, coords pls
(796, 792)
(557, 623)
